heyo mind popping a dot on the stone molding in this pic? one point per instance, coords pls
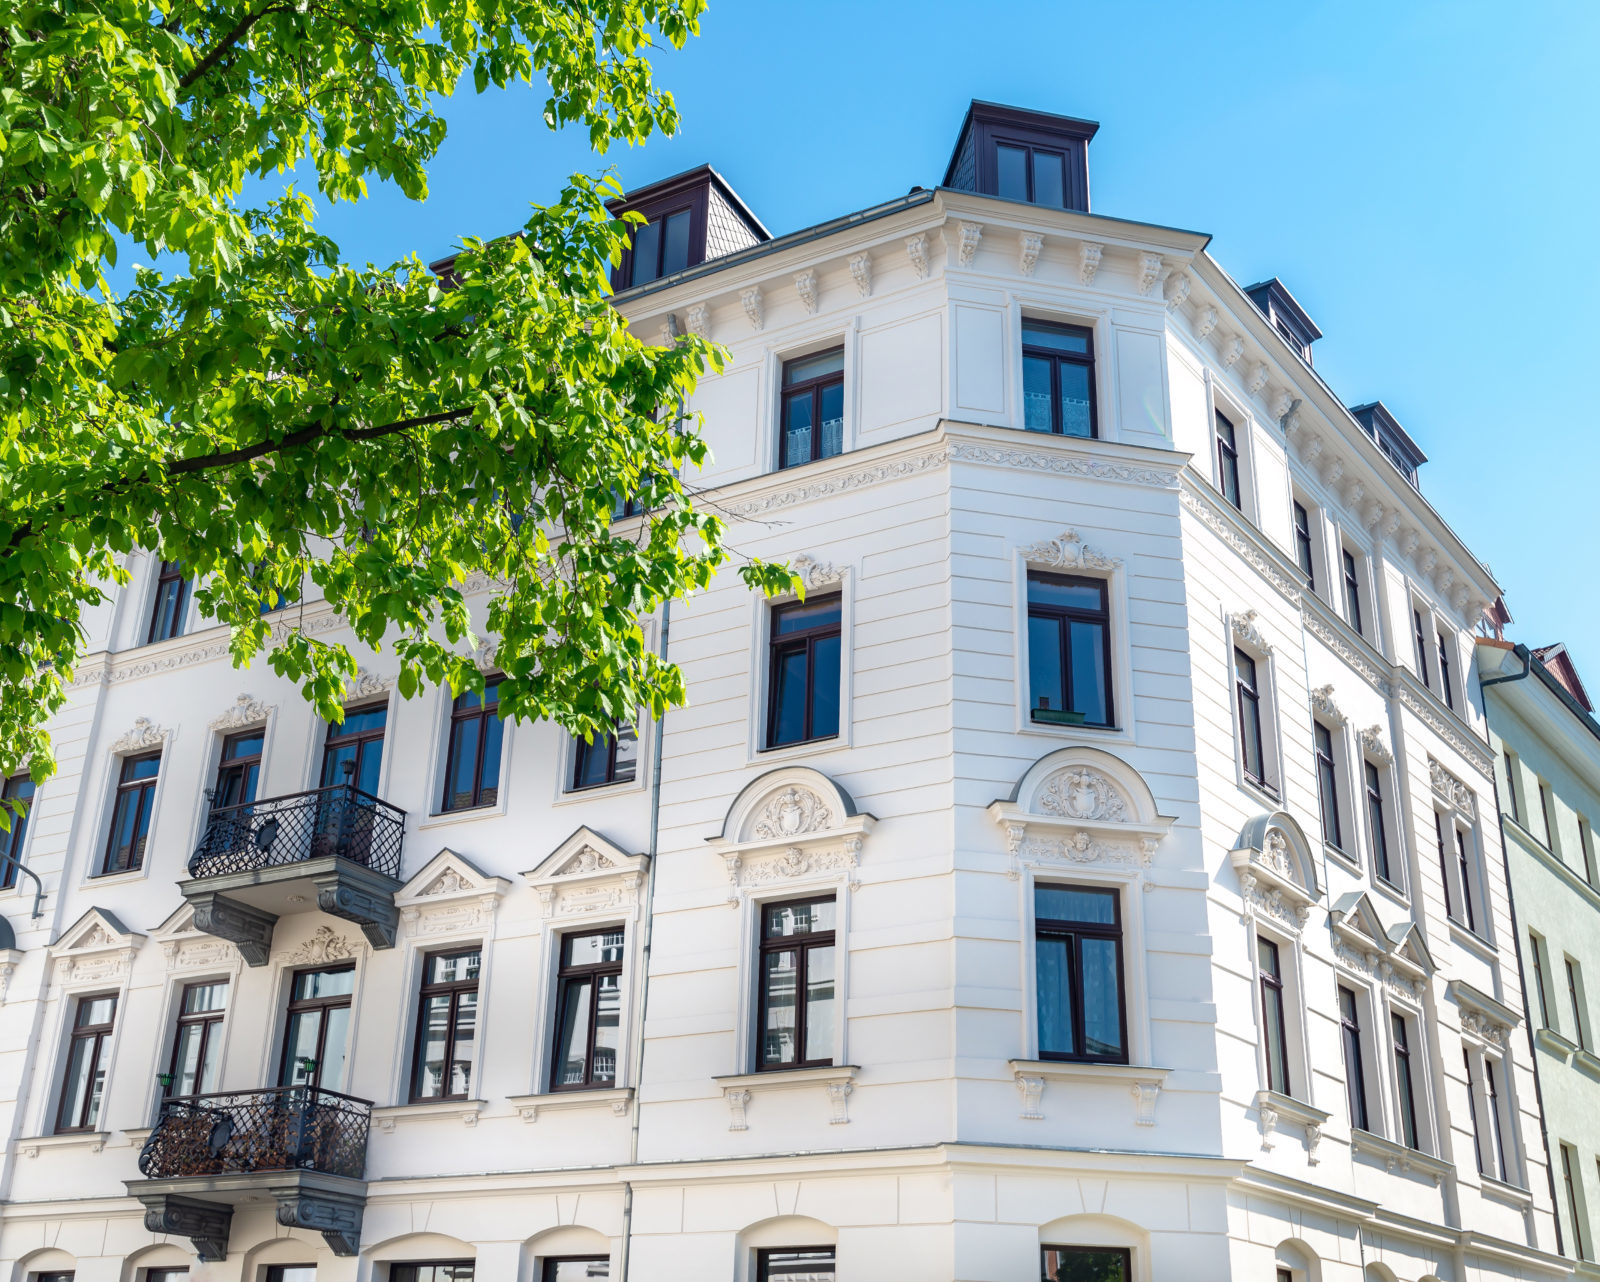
(836, 1082)
(1032, 1076)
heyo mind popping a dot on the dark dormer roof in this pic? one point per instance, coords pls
(1560, 666)
(972, 164)
(1392, 439)
(1280, 307)
(680, 184)
(717, 223)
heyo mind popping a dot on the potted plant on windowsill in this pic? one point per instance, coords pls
(1057, 716)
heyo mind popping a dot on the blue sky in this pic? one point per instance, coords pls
(1422, 175)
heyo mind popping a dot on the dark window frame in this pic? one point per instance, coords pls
(1419, 636)
(1057, 358)
(1404, 1081)
(1378, 832)
(1124, 1252)
(171, 572)
(1064, 616)
(778, 647)
(814, 389)
(1580, 1022)
(483, 712)
(1472, 1111)
(238, 768)
(608, 743)
(764, 1258)
(696, 202)
(1534, 941)
(1493, 1098)
(363, 740)
(1547, 808)
(1305, 549)
(99, 1034)
(280, 1272)
(1070, 934)
(1439, 821)
(802, 946)
(594, 972)
(298, 1005)
(409, 1270)
(12, 841)
(1355, 1062)
(1446, 688)
(143, 794)
(1572, 1200)
(1512, 803)
(455, 989)
(1327, 769)
(210, 1024)
(1274, 1024)
(550, 1265)
(1252, 731)
(1352, 590)
(1227, 443)
(996, 126)
(1465, 866)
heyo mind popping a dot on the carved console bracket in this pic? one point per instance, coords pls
(1272, 1109)
(248, 929)
(363, 897)
(836, 1082)
(206, 1224)
(334, 1214)
(1143, 1084)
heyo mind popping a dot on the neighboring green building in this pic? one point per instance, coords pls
(1547, 745)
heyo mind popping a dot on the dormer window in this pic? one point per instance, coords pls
(660, 247)
(1278, 305)
(1392, 440)
(1023, 155)
(1034, 174)
(689, 218)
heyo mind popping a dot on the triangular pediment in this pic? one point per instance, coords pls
(1406, 945)
(448, 875)
(97, 930)
(586, 854)
(1354, 915)
(177, 923)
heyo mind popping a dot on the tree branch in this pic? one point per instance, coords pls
(228, 41)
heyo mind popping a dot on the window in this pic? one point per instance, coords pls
(1058, 378)
(472, 765)
(1035, 174)
(1585, 848)
(165, 1275)
(198, 1043)
(83, 1085)
(1536, 947)
(1355, 1074)
(18, 788)
(660, 247)
(1274, 1031)
(576, 1268)
(447, 1027)
(356, 742)
(1446, 686)
(1069, 650)
(813, 408)
(803, 682)
(612, 758)
(1488, 1141)
(1464, 864)
(1352, 589)
(1472, 1113)
(130, 813)
(1569, 1161)
(318, 1028)
(436, 1271)
(1252, 747)
(1327, 783)
(1512, 802)
(1461, 874)
(795, 1020)
(1419, 635)
(292, 1273)
(1547, 811)
(1086, 1264)
(794, 1264)
(1580, 1014)
(1303, 551)
(588, 1011)
(1228, 461)
(54, 1277)
(1078, 958)
(239, 770)
(1378, 834)
(172, 599)
(1403, 1086)
(1284, 1275)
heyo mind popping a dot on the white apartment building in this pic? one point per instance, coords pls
(1097, 876)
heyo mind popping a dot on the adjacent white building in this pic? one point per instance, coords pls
(1095, 877)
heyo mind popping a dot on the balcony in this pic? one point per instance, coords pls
(257, 861)
(298, 1146)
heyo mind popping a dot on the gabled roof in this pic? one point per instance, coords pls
(1559, 663)
(698, 176)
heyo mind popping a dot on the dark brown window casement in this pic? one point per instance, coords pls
(239, 770)
(794, 1264)
(1069, 650)
(1058, 378)
(795, 1015)
(1512, 804)
(83, 1085)
(1078, 954)
(1099, 1263)
(1464, 868)
(165, 1275)
(447, 1026)
(1580, 1016)
(1502, 1162)
(588, 1035)
(813, 408)
(130, 813)
(1327, 783)
(1274, 1029)
(318, 1028)
(1402, 1081)
(1574, 1209)
(18, 788)
(612, 758)
(575, 1268)
(1375, 821)
(171, 603)
(434, 1271)
(1352, 590)
(1252, 746)
(1446, 687)
(1472, 1113)
(803, 671)
(358, 742)
(1303, 553)
(1548, 808)
(292, 1273)
(1355, 1071)
(198, 1042)
(662, 245)
(1228, 461)
(1536, 948)
(472, 765)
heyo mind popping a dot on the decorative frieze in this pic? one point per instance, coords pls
(324, 945)
(1451, 790)
(1373, 746)
(1324, 706)
(367, 684)
(247, 710)
(1069, 552)
(144, 736)
(1205, 508)
(588, 875)
(815, 573)
(1245, 628)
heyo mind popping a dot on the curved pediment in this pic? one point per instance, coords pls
(793, 825)
(1277, 871)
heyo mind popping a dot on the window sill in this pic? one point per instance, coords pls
(1263, 792)
(114, 878)
(94, 1141)
(448, 818)
(836, 1080)
(799, 751)
(1473, 942)
(1143, 1083)
(1500, 1191)
(1398, 1156)
(1346, 860)
(616, 1098)
(464, 1111)
(137, 1135)
(599, 791)
(1553, 1043)
(1273, 1107)
(1586, 1062)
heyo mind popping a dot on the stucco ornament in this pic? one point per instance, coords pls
(1068, 551)
(247, 710)
(793, 812)
(1029, 245)
(971, 234)
(1081, 793)
(1089, 253)
(145, 734)
(917, 252)
(861, 273)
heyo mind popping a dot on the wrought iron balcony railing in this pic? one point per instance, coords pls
(341, 820)
(290, 1128)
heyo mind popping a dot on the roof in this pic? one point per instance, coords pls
(1560, 666)
(1284, 301)
(1017, 118)
(1376, 413)
(681, 182)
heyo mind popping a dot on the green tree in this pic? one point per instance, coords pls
(289, 426)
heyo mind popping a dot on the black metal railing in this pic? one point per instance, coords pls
(291, 1128)
(341, 820)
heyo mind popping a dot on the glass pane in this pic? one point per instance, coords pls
(1068, 1264)
(675, 243)
(292, 1273)
(607, 1029)
(779, 974)
(1267, 956)
(646, 249)
(1054, 997)
(604, 948)
(1060, 338)
(186, 1079)
(797, 429)
(1246, 668)
(330, 1071)
(572, 1033)
(832, 420)
(368, 763)
(362, 720)
(1036, 394)
(76, 1086)
(244, 745)
(141, 768)
(800, 617)
(806, 368)
(94, 1011)
(627, 755)
(454, 969)
(815, 917)
(199, 998)
(129, 822)
(1102, 998)
(489, 776)
(333, 764)
(1277, 1062)
(1011, 167)
(589, 762)
(575, 1270)
(1075, 903)
(466, 1038)
(825, 688)
(1075, 418)
(819, 1003)
(301, 1046)
(324, 983)
(1068, 593)
(806, 1264)
(1090, 680)
(789, 690)
(1049, 179)
(1045, 689)
(463, 763)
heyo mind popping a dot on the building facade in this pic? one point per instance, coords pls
(1095, 876)
(1547, 751)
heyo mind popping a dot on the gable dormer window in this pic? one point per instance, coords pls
(689, 218)
(660, 247)
(1035, 174)
(1023, 155)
